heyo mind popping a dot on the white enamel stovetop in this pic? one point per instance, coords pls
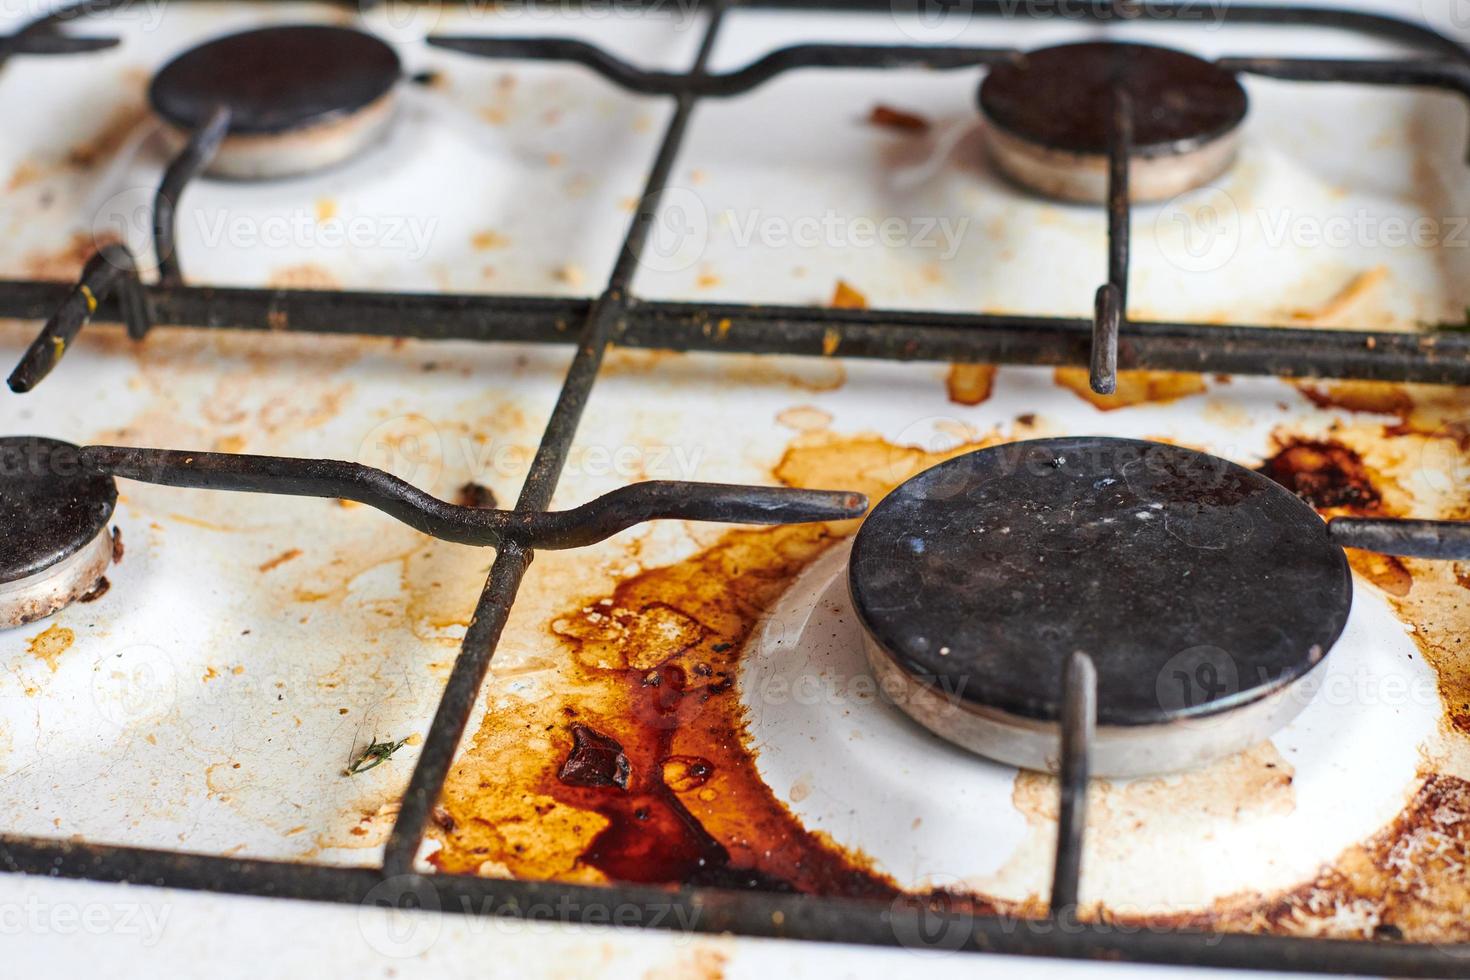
(519, 179)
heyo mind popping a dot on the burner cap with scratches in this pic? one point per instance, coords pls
(1205, 593)
(1050, 115)
(55, 547)
(301, 97)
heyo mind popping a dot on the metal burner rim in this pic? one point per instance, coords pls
(92, 520)
(984, 699)
(177, 113)
(1098, 149)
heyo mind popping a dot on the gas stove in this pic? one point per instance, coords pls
(980, 479)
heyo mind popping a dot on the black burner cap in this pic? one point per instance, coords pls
(1060, 97)
(1196, 585)
(49, 507)
(276, 79)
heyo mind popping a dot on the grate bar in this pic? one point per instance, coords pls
(764, 914)
(1111, 306)
(510, 566)
(616, 317)
(911, 335)
(1078, 728)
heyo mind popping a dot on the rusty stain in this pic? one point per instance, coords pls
(475, 495)
(49, 645)
(280, 560)
(1408, 881)
(1342, 303)
(1328, 475)
(649, 666)
(26, 173)
(109, 139)
(702, 961)
(639, 768)
(1134, 387)
(805, 418)
(98, 591)
(890, 118)
(845, 297)
(970, 384)
(65, 264)
(306, 275)
(488, 240)
(1376, 397)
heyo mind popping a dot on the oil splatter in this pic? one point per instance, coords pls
(970, 384)
(1134, 387)
(638, 767)
(48, 646)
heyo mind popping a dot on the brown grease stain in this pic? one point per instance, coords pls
(1134, 387)
(48, 646)
(638, 767)
(887, 117)
(650, 668)
(1374, 397)
(1327, 475)
(281, 559)
(306, 275)
(1406, 882)
(1335, 480)
(65, 264)
(970, 384)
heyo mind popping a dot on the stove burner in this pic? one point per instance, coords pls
(1050, 116)
(55, 546)
(1205, 594)
(300, 98)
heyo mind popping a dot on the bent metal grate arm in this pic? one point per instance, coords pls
(1108, 342)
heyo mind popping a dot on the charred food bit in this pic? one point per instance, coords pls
(374, 756)
(476, 495)
(596, 760)
(844, 297)
(891, 118)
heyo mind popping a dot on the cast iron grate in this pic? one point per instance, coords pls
(1108, 342)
